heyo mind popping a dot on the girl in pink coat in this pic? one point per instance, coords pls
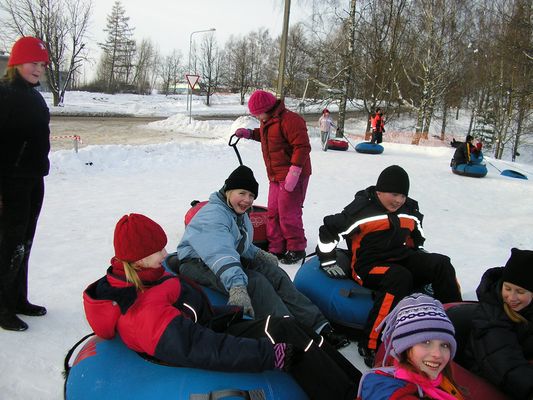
(285, 145)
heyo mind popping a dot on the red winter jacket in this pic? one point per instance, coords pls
(284, 142)
(168, 320)
(377, 123)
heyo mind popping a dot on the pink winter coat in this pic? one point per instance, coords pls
(284, 142)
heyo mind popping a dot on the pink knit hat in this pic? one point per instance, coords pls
(28, 50)
(261, 102)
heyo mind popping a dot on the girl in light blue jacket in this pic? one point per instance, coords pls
(217, 251)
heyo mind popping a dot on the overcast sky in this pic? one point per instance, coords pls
(169, 23)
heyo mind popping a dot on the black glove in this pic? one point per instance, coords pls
(286, 356)
(334, 271)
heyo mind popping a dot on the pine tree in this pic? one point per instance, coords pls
(484, 129)
(116, 69)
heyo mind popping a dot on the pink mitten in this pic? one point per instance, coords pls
(292, 178)
(243, 133)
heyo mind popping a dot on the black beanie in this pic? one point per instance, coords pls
(519, 269)
(242, 178)
(393, 179)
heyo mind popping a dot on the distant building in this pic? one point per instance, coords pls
(3, 62)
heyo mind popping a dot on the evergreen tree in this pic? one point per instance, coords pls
(116, 69)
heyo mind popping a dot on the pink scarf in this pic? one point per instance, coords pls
(429, 386)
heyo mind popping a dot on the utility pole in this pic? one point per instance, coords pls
(347, 79)
(283, 50)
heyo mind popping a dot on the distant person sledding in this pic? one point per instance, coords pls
(468, 158)
(377, 125)
(325, 124)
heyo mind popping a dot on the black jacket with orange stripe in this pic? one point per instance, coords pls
(372, 233)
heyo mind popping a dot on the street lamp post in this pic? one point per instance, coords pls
(189, 92)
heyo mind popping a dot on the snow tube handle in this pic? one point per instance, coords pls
(254, 394)
(233, 144)
(66, 364)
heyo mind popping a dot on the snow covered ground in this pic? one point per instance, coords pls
(474, 221)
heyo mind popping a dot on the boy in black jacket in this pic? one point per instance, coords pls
(383, 231)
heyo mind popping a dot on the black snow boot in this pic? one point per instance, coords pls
(31, 310)
(293, 257)
(9, 321)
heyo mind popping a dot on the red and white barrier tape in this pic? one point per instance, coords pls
(73, 137)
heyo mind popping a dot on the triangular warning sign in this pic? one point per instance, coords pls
(193, 80)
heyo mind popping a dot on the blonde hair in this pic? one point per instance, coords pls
(513, 315)
(227, 193)
(132, 276)
(11, 73)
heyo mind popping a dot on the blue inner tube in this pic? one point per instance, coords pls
(107, 369)
(369, 148)
(474, 170)
(342, 301)
(476, 159)
(513, 174)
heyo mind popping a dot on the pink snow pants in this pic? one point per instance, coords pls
(285, 230)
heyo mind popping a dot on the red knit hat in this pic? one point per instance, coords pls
(137, 237)
(260, 102)
(27, 50)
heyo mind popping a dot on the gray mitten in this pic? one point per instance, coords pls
(266, 258)
(238, 296)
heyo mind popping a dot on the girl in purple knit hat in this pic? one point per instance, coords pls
(419, 337)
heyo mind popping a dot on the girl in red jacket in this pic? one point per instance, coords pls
(171, 319)
(285, 145)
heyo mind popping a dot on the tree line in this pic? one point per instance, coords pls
(424, 57)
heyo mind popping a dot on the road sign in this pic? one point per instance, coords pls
(192, 79)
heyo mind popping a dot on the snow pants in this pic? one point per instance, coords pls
(377, 137)
(285, 229)
(321, 371)
(21, 200)
(392, 281)
(270, 288)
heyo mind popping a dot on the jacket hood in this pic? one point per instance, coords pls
(489, 289)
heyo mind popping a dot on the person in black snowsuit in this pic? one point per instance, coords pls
(500, 346)
(24, 148)
(462, 152)
(383, 231)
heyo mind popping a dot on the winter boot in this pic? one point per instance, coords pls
(9, 321)
(337, 340)
(293, 257)
(31, 310)
(368, 355)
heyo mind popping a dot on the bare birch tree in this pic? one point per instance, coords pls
(62, 25)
